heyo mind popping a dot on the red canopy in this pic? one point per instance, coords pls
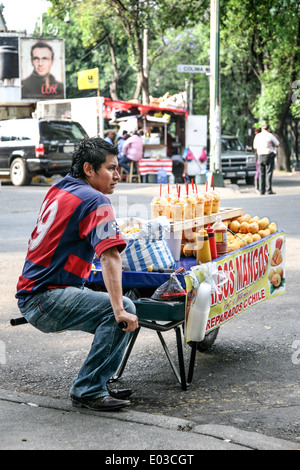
(110, 105)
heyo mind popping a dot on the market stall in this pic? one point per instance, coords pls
(174, 288)
(162, 129)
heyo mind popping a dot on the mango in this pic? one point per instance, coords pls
(233, 246)
(256, 237)
(276, 280)
(271, 274)
(254, 219)
(253, 227)
(244, 227)
(273, 227)
(234, 226)
(249, 238)
(280, 271)
(188, 249)
(276, 257)
(244, 218)
(264, 233)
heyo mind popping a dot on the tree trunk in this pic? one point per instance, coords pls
(283, 152)
(113, 87)
(138, 87)
(142, 80)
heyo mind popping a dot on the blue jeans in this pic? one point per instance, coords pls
(124, 162)
(74, 308)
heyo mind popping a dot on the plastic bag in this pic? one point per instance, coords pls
(188, 154)
(147, 246)
(169, 290)
(204, 280)
(203, 156)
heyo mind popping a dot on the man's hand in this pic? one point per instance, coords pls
(130, 319)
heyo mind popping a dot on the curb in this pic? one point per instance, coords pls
(235, 436)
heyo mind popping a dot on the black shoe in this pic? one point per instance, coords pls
(271, 192)
(121, 394)
(106, 403)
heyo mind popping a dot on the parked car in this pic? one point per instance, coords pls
(236, 162)
(30, 147)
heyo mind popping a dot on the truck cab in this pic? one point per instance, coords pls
(237, 163)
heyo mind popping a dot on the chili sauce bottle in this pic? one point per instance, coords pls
(220, 231)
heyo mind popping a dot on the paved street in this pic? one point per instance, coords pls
(248, 381)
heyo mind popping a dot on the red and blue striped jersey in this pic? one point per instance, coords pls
(75, 222)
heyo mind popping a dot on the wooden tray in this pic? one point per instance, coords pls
(225, 213)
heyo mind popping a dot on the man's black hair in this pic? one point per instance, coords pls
(93, 150)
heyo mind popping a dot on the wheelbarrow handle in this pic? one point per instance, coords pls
(18, 321)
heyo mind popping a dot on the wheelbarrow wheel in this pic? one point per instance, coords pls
(207, 342)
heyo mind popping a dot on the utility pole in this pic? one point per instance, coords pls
(145, 98)
(145, 60)
(215, 94)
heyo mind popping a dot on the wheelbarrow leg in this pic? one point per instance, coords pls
(192, 362)
(122, 366)
(181, 359)
(180, 376)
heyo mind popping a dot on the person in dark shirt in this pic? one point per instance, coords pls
(41, 83)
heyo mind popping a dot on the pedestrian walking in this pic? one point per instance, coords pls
(256, 178)
(265, 144)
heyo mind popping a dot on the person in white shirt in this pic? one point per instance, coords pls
(265, 144)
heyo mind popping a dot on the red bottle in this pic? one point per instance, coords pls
(212, 242)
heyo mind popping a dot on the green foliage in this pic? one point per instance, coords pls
(259, 52)
(189, 46)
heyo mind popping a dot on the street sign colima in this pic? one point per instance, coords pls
(184, 68)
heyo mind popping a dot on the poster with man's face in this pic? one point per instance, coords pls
(42, 68)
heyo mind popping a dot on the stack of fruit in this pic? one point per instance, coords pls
(245, 229)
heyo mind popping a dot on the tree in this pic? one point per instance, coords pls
(257, 32)
(129, 19)
(189, 46)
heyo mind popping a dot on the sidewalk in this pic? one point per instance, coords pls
(31, 422)
(283, 184)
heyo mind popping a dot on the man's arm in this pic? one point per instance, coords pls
(275, 141)
(255, 143)
(111, 264)
(125, 147)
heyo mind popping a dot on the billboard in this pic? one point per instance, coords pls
(9, 61)
(42, 68)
